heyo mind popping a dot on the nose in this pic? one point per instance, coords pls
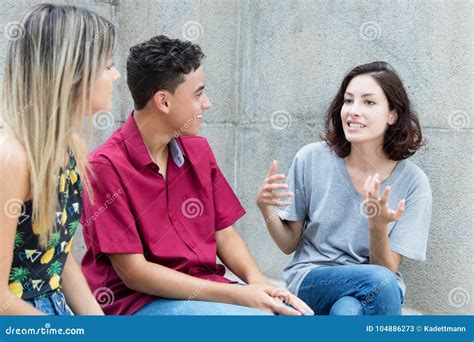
(116, 74)
(207, 103)
(354, 110)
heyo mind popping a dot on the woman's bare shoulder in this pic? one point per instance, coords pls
(14, 166)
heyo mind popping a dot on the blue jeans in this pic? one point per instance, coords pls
(54, 304)
(174, 307)
(352, 290)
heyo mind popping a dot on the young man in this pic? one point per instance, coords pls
(162, 210)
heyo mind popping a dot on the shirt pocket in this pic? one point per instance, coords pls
(197, 211)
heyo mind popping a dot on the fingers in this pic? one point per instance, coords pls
(400, 210)
(283, 194)
(286, 311)
(276, 203)
(386, 195)
(283, 309)
(274, 178)
(372, 186)
(275, 187)
(269, 194)
(289, 301)
(395, 214)
(301, 306)
(367, 183)
(372, 190)
(376, 186)
(272, 169)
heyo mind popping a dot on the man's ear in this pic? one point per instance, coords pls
(161, 99)
(392, 117)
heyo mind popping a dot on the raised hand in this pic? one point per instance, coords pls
(267, 194)
(376, 207)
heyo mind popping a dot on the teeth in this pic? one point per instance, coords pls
(356, 125)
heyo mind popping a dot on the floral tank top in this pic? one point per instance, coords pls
(36, 272)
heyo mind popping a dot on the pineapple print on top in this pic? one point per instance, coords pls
(36, 272)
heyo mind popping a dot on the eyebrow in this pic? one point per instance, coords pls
(363, 95)
(199, 89)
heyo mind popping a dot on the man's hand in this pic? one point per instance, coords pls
(272, 299)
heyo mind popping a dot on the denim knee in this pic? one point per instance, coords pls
(383, 288)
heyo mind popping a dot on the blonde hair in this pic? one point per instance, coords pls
(49, 73)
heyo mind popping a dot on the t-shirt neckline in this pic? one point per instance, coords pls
(347, 179)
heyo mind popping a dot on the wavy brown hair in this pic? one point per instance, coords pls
(402, 139)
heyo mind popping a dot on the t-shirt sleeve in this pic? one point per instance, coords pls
(295, 181)
(409, 236)
(227, 206)
(109, 223)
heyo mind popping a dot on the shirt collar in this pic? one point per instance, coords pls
(137, 150)
(176, 153)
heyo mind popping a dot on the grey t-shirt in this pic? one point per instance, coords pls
(336, 227)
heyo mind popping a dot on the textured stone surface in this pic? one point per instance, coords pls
(272, 68)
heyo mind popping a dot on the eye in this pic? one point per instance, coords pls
(347, 100)
(110, 66)
(370, 103)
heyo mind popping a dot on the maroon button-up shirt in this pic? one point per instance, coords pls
(171, 221)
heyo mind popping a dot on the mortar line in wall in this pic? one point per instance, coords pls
(237, 89)
(256, 124)
(236, 158)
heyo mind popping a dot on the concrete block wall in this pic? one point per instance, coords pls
(273, 67)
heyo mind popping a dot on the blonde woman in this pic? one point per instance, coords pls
(57, 71)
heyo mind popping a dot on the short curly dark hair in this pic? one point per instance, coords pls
(402, 139)
(160, 64)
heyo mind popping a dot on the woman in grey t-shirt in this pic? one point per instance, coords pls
(356, 206)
